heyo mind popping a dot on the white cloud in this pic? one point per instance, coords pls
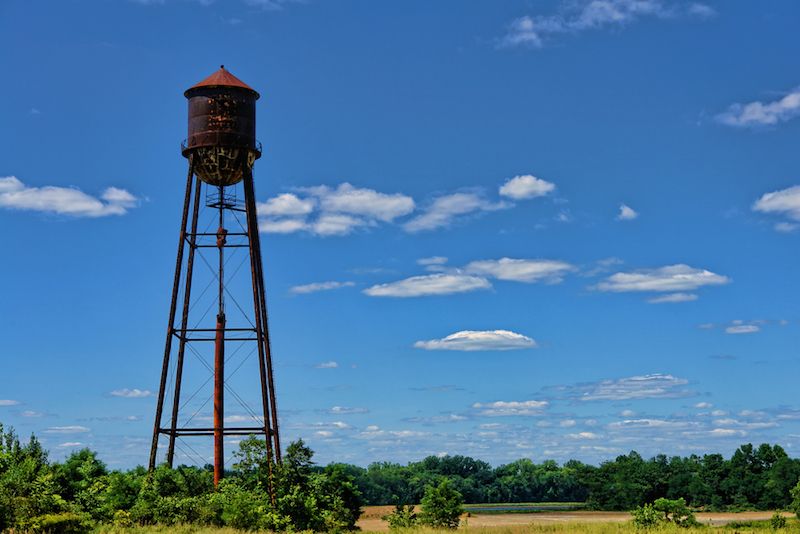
(651, 386)
(326, 211)
(742, 329)
(323, 433)
(567, 423)
(319, 286)
(626, 213)
(670, 278)
(132, 393)
(520, 270)
(327, 365)
(526, 186)
(285, 205)
(533, 31)
(472, 340)
(703, 405)
(431, 284)
(64, 200)
(673, 298)
(31, 413)
(8, 402)
(784, 202)
(511, 408)
(329, 224)
(73, 429)
(70, 444)
(445, 209)
(363, 202)
(282, 226)
(755, 114)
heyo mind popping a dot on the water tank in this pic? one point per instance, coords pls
(222, 128)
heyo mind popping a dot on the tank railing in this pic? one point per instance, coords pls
(185, 143)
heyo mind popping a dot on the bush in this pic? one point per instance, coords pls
(777, 521)
(646, 516)
(63, 523)
(441, 506)
(675, 511)
(402, 517)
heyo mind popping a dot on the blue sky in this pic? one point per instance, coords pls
(551, 229)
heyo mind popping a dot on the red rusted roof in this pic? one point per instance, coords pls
(222, 78)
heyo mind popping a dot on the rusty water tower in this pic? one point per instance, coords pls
(221, 149)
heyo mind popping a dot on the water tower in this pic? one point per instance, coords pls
(221, 149)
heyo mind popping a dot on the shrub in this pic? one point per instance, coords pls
(777, 521)
(63, 523)
(675, 511)
(402, 517)
(441, 506)
(646, 516)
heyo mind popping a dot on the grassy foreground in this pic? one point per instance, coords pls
(743, 527)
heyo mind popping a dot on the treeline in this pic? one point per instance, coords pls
(81, 492)
(753, 478)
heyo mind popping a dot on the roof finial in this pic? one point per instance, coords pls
(222, 67)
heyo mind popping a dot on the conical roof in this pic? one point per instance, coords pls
(221, 78)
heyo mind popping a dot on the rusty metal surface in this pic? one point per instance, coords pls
(222, 78)
(222, 128)
(219, 400)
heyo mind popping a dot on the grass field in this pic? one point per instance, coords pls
(573, 522)
(566, 527)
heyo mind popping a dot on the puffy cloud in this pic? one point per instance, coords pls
(282, 226)
(431, 284)
(673, 298)
(526, 186)
(327, 211)
(511, 408)
(445, 209)
(671, 278)
(784, 202)
(703, 405)
(626, 213)
(70, 445)
(64, 200)
(132, 393)
(319, 286)
(756, 114)
(285, 205)
(521, 270)
(472, 340)
(363, 202)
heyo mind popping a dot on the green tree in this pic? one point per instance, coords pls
(441, 506)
